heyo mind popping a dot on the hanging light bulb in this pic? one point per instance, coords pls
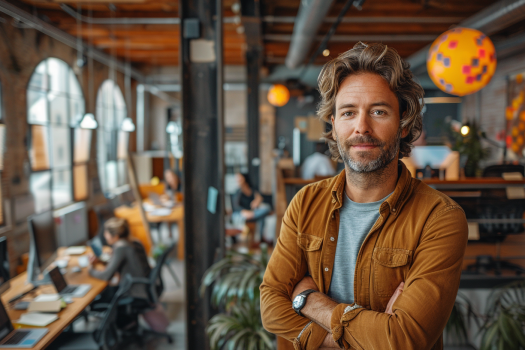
(465, 130)
(88, 122)
(127, 125)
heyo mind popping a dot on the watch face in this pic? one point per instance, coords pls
(298, 302)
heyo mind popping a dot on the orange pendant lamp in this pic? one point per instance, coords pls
(461, 61)
(278, 95)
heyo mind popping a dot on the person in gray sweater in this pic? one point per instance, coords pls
(128, 257)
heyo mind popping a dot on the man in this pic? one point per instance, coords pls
(318, 164)
(371, 257)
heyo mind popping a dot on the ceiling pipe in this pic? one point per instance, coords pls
(352, 38)
(117, 21)
(490, 20)
(310, 16)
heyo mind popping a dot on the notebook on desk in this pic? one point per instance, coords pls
(19, 338)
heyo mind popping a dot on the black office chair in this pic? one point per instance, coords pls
(498, 170)
(133, 307)
(106, 337)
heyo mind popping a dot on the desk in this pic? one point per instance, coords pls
(68, 314)
(132, 215)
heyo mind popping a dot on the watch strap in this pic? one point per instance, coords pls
(303, 294)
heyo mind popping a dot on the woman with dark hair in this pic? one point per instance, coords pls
(248, 204)
(128, 257)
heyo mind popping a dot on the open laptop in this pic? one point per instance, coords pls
(96, 247)
(65, 290)
(19, 338)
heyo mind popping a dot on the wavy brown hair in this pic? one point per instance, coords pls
(381, 60)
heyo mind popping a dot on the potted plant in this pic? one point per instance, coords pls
(467, 141)
(236, 279)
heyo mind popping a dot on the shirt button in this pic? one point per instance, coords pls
(333, 200)
(326, 269)
(332, 239)
(393, 210)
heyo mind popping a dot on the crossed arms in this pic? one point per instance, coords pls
(418, 314)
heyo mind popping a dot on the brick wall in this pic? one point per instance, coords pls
(21, 50)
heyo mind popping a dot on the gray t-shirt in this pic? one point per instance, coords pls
(355, 221)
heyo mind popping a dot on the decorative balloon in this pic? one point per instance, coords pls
(278, 95)
(461, 61)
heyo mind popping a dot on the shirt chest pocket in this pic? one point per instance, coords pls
(311, 246)
(390, 269)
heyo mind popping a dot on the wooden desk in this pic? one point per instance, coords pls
(68, 314)
(132, 215)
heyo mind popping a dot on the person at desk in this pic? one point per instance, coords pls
(248, 204)
(173, 182)
(318, 164)
(128, 257)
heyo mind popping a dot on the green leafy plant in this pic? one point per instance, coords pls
(505, 318)
(236, 279)
(469, 145)
(459, 321)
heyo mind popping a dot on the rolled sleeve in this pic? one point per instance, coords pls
(311, 338)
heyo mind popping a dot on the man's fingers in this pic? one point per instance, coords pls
(393, 298)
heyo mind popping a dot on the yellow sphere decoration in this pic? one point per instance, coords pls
(461, 61)
(278, 95)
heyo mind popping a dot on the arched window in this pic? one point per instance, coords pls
(55, 105)
(2, 148)
(111, 140)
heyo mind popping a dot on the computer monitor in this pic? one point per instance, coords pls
(4, 266)
(42, 245)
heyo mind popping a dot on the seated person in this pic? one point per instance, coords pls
(172, 181)
(318, 164)
(248, 204)
(128, 257)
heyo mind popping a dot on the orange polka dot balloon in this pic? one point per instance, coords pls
(461, 61)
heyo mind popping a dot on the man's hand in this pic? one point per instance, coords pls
(306, 283)
(393, 298)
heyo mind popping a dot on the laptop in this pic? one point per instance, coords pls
(65, 290)
(19, 338)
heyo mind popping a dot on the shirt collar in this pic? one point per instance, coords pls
(395, 201)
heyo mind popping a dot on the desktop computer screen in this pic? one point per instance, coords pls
(43, 243)
(4, 265)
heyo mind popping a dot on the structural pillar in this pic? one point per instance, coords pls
(250, 10)
(201, 74)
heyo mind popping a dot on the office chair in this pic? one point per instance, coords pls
(137, 306)
(107, 336)
(131, 307)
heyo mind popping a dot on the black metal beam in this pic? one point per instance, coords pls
(203, 158)
(251, 21)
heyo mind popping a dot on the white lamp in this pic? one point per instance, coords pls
(173, 128)
(88, 122)
(127, 125)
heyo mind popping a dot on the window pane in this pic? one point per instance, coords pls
(111, 145)
(76, 110)
(80, 181)
(122, 172)
(111, 176)
(74, 86)
(59, 109)
(60, 146)
(40, 185)
(82, 143)
(36, 107)
(39, 152)
(61, 188)
(58, 72)
(122, 147)
(39, 79)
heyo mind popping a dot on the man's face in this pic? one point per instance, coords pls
(366, 123)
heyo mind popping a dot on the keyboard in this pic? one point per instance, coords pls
(69, 290)
(16, 338)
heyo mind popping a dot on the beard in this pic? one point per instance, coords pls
(359, 163)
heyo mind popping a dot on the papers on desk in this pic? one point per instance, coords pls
(76, 250)
(36, 319)
(83, 261)
(47, 297)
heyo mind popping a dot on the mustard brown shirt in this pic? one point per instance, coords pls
(419, 238)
